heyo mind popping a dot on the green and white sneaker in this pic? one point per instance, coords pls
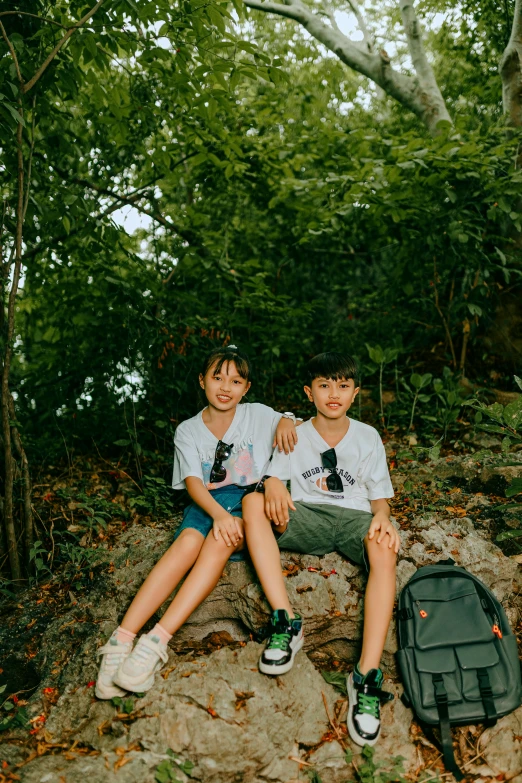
(137, 671)
(285, 640)
(113, 654)
(364, 705)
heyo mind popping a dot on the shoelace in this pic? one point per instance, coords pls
(368, 704)
(278, 641)
(112, 660)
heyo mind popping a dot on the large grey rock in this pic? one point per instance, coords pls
(218, 712)
(193, 711)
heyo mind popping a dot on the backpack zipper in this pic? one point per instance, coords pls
(422, 612)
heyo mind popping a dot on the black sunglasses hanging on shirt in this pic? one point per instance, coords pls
(223, 452)
(329, 461)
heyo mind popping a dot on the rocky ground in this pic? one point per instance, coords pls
(211, 716)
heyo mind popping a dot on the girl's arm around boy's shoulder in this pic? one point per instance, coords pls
(284, 435)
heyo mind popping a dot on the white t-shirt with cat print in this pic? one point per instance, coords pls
(251, 432)
(361, 464)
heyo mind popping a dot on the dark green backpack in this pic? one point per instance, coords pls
(457, 654)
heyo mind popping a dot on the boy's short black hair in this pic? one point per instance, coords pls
(336, 366)
(227, 354)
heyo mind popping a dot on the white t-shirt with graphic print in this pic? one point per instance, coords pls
(361, 464)
(251, 433)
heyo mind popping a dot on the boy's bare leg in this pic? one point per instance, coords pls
(378, 601)
(202, 579)
(164, 577)
(264, 551)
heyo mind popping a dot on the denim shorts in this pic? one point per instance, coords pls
(229, 498)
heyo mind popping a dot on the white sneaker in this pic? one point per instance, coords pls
(112, 654)
(136, 672)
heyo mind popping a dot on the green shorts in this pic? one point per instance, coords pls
(318, 528)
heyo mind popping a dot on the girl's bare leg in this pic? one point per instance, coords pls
(378, 601)
(164, 577)
(264, 551)
(202, 579)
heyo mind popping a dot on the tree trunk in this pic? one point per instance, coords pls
(510, 68)
(9, 523)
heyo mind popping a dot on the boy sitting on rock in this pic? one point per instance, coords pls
(339, 483)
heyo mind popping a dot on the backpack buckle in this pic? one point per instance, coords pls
(484, 684)
(441, 695)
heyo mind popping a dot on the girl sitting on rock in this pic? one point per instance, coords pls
(219, 456)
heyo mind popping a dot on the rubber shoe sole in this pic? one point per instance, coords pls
(352, 729)
(103, 691)
(274, 671)
(133, 686)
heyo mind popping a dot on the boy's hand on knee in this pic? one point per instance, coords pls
(286, 436)
(277, 501)
(382, 526)
(229, 528)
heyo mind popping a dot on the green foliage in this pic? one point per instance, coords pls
(515, 488)
(124, 705)
(157, 497)
(372, 771)
(381, 357)
(36, 555)
(11, 716)
(167, 769)
(507, 418)
(337, 679)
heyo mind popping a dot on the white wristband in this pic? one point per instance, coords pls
(289, 415)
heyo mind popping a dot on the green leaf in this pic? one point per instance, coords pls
(508, 534)
(434, 452)
(337, 679)
(513, 414)
(3, 687)
(491, 428)
(518, 381)
(506, 443)
(122, 442)
(66, 223)
(18, 117)
(376, 353)
(515, 488)
(496, 411)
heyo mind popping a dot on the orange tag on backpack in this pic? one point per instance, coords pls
(423, 614)
(497, 631)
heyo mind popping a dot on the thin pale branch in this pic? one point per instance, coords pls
(289, 12)
(516, 29)
(363, 27)
(30, 84)
(413, 30)
(13, 53)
